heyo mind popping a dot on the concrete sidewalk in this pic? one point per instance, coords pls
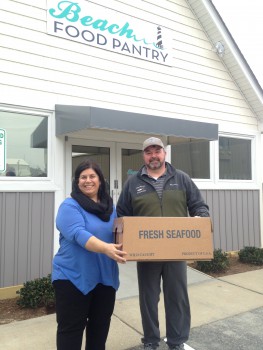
(227, 313)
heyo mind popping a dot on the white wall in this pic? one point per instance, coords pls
(39, 70)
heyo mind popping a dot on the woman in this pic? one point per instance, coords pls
(85, 272)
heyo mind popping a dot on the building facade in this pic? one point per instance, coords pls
(90, 79)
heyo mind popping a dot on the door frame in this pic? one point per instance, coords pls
(85, 142)
(115, 148)
(119, 147)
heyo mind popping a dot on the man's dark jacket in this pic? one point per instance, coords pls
(180, 196)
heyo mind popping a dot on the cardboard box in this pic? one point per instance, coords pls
(165, 238)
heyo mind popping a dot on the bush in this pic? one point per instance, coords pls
(251, 255)
(37, 293)
(219, 263)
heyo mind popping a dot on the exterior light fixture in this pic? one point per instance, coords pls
(219, 48)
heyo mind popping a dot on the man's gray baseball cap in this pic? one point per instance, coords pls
(152, 141)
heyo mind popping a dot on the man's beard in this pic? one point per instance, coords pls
(155, 164)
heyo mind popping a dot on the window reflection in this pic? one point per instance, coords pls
(193, 158)
(26, 144)
(131, 161)
(234, 159)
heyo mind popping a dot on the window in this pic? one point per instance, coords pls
(234, 159)
(193, 158)
(26, 144)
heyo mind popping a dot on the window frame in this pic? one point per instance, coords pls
(28, 182)
(238, 182)
(202, 182)
(214, 182)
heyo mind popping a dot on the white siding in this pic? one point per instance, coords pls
(39, 70)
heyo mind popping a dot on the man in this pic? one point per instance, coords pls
(158, 189)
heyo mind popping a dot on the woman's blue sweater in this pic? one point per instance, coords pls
(85, 269)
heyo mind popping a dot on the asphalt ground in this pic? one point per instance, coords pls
(227, 313)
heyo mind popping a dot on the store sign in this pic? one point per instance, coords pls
(111, 30)
(2, 150)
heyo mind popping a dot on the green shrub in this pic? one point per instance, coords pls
(219, 263)
(251, 255)
(36, 293)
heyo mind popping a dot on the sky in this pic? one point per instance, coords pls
(244, 20)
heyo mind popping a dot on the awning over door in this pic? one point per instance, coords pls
(70, 119)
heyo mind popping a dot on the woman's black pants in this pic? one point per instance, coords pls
(77, 312)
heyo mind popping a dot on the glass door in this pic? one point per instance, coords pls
(100, 155)
(101, 152)
(117, 160)
(130, 156)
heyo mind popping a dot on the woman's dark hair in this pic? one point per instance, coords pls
(90, 164)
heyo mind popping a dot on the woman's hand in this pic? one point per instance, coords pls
(112, 250)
